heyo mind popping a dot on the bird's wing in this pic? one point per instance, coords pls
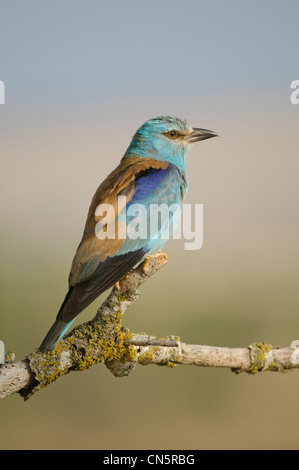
(93, 251)
(99, 264)
(152, 209)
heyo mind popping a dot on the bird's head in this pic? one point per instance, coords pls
(166, 139)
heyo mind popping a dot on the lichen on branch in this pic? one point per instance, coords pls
(104, 340)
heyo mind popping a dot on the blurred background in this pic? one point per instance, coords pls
(80, 78)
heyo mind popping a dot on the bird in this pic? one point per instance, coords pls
(152, 171)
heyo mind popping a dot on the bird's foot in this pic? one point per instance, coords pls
(117, 285)
(159, 256)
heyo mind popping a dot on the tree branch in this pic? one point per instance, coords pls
(104, 340)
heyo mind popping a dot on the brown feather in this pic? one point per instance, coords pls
(92, 250)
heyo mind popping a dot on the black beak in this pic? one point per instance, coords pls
(200, 134)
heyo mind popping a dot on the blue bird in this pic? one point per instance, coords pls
(152, 171)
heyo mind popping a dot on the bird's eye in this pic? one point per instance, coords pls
(172, 134)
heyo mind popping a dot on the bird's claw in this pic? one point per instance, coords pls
(159, 257)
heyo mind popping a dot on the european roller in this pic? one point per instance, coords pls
(152, 171)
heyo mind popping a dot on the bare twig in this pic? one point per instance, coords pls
(104, 340)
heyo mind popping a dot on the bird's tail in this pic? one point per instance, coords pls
(59, 327)
(55, 333)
